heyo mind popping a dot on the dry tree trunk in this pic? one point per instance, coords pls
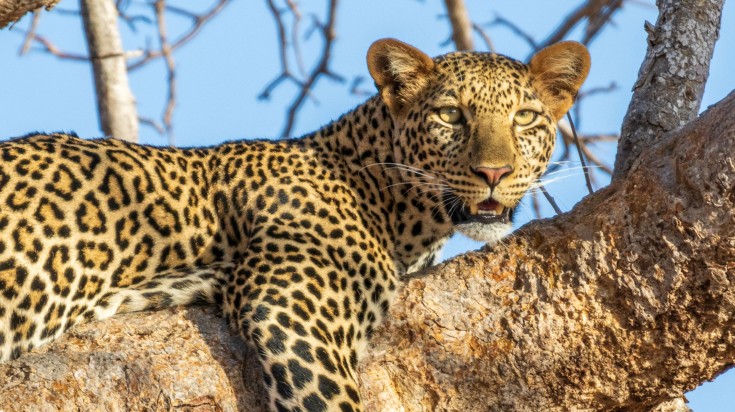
(115, 100)
(12, 10)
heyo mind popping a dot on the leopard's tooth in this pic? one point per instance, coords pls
(488, 212)
(499, 209)
(473, 209)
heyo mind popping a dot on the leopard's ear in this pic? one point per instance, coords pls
(558, 72)
(400, 72)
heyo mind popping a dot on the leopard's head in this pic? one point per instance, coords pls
(478, 129)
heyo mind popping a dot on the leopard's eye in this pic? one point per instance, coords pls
(525, 117)
(451, 115)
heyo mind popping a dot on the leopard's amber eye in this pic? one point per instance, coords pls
(524, 117)
(451, 115)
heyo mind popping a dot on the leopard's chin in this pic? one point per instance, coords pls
(490, 233)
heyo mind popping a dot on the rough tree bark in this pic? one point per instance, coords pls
(671, 79)
(12, 10)
(115, 100)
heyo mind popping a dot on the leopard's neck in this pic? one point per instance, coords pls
(363, 143)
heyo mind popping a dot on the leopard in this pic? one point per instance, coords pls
(302, 243)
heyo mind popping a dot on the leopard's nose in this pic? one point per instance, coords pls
(492, 175)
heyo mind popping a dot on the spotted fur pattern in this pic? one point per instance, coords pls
(301, 242)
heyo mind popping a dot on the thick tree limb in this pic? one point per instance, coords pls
(12, 10)
(168, 360)
(671, 79)
(115, 101)
(625, 302)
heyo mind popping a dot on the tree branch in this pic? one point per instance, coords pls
(115, 101)
(198, 22)
(671, 79)
(320, 69)
(596, 12)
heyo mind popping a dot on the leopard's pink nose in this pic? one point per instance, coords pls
(492, 175)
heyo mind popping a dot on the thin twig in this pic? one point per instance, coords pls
(49, 47)
(485, 37)
(321, 68)
(597, 138)
(597, 13)
(198, 22)
(584, 94)
(295, 43)
(30, 33)
(355, 87)
(153, 124)
(568, 138)
(581, 156)
(550, 199)
(502, 21)
(283, 54)
(535, 204)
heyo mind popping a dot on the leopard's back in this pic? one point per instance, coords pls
(81, 219)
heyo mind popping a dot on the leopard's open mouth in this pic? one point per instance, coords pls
(486, 212)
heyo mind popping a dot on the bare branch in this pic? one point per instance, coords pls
(596, 12)
(550, 199)
(295, 43)
(578, 145)
(30, 34)
(536, 204)
(49, 47)
(153, 124)
(597, 90)
(198, 22)
(283, 54)
(597, 138)
(502, 21)
(321, 68)
(485, 37)
(356, 90)
(568, 136)
(584, 94)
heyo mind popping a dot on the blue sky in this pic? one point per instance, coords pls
(223, 70)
